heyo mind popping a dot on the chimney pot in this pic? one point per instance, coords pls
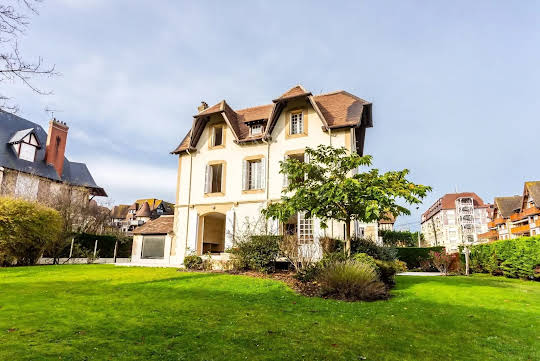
(202, 107)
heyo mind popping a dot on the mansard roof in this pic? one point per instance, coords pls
(338, 109)
(13, 129)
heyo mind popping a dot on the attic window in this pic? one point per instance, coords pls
(27, 147)
(217, 136)
(297, 123)
(256, 129)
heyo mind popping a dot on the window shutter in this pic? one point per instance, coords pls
(208, 179)
(318, 233)
(273, 226)
(285, 179)
(306, 160)
(245, 164)
(229, 229)
(261, 182)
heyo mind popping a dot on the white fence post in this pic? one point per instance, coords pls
(71, 249)
(95, 249)
(115, 249)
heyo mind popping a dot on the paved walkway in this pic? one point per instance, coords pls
(420, 274)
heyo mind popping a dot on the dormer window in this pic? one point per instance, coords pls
(256, 129)
(25, 144)
(217, 136)
(296, 123)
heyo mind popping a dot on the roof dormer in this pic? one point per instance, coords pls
(25, 144)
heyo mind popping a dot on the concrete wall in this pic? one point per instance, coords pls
(84, 260)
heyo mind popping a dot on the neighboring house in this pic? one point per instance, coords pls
(33, 164)
(128, 217)
(154, 241)
(516, 216)
(387, 224)
(228, 167)
(454, 219)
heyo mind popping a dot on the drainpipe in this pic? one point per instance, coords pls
(330, 135)
(267, 175)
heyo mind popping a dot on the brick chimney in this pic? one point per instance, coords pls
(202, 107)
(56, 145)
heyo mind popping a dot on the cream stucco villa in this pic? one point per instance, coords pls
(228, 169)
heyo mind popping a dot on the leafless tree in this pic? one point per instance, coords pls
(14, 21)
(79, 216)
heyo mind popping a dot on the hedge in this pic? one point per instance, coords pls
(105, 246)
(412, 256)
(513, 258)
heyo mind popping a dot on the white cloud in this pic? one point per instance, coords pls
(126, 180)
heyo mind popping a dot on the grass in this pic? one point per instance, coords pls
(99, 312)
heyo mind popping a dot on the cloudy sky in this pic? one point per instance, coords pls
(455, 85)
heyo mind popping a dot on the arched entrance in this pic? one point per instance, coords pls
(211, 233)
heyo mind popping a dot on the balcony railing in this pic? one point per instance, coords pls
(526, 213)
(489, 235)
(496, 222)
(520, 229)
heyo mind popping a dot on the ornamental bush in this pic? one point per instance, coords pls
(193, 262)
(387, 270)
(257, 253)
(365, 258)
(513, 258)
(351, 281)
(368, 246)
(25, 230)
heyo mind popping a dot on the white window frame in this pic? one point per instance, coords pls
(304, 229)
(296, 123)
(209, 178)
(257, 129)
(253, 174)
(213, 142)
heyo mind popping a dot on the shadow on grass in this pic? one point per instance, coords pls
(242, 318)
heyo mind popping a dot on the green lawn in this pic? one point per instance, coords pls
(104, 312)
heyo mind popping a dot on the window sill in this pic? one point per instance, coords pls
(251, 191)
(299, 135)
(216, 147)
(215, 194)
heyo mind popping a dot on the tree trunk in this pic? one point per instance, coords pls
(348, 237)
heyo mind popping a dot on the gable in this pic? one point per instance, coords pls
(335, 110)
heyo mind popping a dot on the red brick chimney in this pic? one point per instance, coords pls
(56, 145)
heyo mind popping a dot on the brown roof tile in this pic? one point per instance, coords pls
(120, 211)
(144, 211)
(161, 225)
(534, 191)
(338, 109)
(507, 205)
(295, 91)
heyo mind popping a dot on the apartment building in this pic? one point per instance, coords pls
(454, 219)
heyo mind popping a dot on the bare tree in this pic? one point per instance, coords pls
(14, 21)
(79, 216)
